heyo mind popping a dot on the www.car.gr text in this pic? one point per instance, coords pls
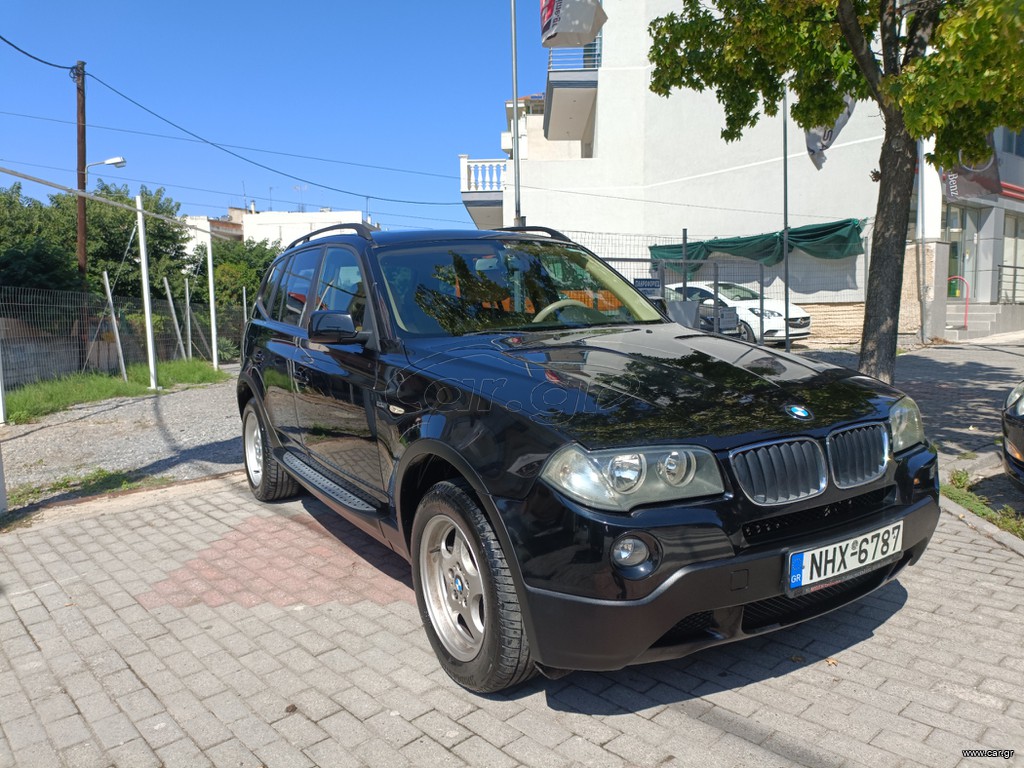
(1006, 754)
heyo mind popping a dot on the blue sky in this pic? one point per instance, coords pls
(401, 85)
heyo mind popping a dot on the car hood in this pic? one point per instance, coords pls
(610, 387)
(772, 304)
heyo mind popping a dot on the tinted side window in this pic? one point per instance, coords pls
(296, 281)
(342, 286)
(266, 297)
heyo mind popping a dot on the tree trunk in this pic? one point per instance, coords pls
(888, 248)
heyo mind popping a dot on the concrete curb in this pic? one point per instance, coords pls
(982, 526)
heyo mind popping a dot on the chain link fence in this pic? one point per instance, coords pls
(830, 291)
(51, 334)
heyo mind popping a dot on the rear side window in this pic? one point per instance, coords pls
(270, 286)
(296, 280)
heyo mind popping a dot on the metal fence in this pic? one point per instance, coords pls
(51, 334)
(1011, 284)
(831, 291)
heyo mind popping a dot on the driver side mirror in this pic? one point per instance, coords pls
(330, 327)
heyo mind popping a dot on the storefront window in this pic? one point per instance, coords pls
(959, 227)
(1012, 273)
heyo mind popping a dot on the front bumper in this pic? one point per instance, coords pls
(719, 577)
(1013, 449)
(705, 604)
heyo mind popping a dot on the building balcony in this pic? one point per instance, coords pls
(482, 185)
(571, 94)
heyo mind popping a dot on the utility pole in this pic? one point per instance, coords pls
(520, 220)
(78, 74)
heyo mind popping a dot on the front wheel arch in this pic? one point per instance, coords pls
(466, 594)
(428, 462)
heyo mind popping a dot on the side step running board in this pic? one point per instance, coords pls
(328, 486)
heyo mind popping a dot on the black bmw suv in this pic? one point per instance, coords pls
(578, 482)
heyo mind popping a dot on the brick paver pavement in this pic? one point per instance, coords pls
(193, 626)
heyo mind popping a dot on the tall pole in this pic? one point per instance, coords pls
(213, 305)
(188, 319)
(785, 210)
(79, 77)
(147, 306)
(520, 220)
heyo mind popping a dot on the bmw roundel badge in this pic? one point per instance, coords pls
(799, 412)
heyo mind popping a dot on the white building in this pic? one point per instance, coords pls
(600, 153)
(281, 227)
(286, 226)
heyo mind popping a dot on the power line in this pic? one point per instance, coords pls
(250, 161)
(228, 194)
(455, 221)
(107, 201)
(237, 146)
(35, 58)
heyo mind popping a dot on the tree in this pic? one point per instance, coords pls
(237, 265)
(27, 257)
(113, 243)
(951, 69)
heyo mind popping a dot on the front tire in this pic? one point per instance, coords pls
(465, 593)
(747, 333)
(267, 479)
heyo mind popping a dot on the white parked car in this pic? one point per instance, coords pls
(748, 306)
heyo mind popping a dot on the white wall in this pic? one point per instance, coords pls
(286, 226)
(660, 164)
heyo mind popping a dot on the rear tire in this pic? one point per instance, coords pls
(267, 479)
(465, 593)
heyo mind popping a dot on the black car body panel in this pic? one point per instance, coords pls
(1013, 438)
(368, 424)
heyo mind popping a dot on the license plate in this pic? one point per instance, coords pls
(818, 568)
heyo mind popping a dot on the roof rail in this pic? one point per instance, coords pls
(360, 229)
(553, 233)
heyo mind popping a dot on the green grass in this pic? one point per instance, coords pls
(96, 482)
(1006, 518)
(34, 401)
(20, 500)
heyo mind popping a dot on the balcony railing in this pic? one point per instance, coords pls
(587, 57)
(482, 175)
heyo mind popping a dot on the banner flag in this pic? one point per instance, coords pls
(821, 138)
(972, 180)
(570, 23)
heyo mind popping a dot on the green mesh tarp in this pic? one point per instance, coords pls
(835, 240)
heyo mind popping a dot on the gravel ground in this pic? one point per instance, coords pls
(183, 434)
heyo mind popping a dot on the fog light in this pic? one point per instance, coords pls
(629, 551)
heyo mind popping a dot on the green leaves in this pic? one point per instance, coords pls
(958, 74)
(970, 82)
(38, 242)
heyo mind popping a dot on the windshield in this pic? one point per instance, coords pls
(461, 287)
(737, 292)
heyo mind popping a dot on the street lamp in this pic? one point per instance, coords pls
(83, 174)
(117, 162)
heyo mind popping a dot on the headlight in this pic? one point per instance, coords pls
(619, 480)
(1015, 401)
(905, 421)
(768, 313)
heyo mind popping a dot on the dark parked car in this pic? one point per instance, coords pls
(1013, 435)
(578, 482)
